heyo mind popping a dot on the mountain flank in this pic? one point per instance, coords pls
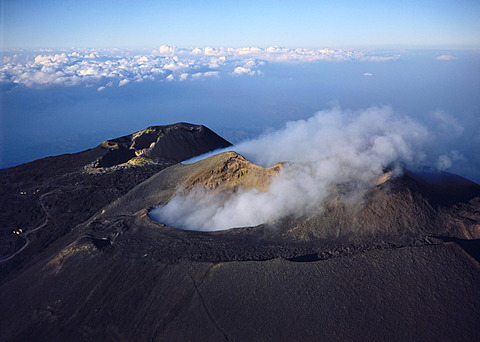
(173, 143)
(66, 190)
(400, 264)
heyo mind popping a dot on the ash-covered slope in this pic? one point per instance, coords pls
(383, 268)
(439, 204)
(57, 193)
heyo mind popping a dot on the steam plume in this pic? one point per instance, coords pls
(333, 147)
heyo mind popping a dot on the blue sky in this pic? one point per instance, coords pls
(186, 23)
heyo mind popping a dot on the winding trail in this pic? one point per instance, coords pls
(25, 235)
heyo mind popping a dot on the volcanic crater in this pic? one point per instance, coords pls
(402, 263)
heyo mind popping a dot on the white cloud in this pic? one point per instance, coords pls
(379, 58)
(216, 62)
(242, 70)
(73, 67)
(445, 57)
(165, 50)
(87, 72)
(285, 55)
(51, 59)
(249, 51)
(208, 51)
(367, 74)
(447, 124)
(207, 74)
(172, 66)
(142, 59)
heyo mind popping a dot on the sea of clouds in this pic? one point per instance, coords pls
(334, 146)
(108, 68)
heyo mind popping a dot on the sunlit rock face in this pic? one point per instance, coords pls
(233, 174)
(219, 196)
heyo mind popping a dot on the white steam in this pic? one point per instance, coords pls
(445, 161)
(333, 147)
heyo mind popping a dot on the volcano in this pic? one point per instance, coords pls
(83, 258)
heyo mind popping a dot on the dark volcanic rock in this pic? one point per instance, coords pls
(399, 265)
(174, 143)
(64, 191)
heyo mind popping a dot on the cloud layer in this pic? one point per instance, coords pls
(106, 68)
(333, 147)
(445, 58)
